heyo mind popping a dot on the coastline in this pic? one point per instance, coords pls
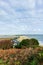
(40, 43)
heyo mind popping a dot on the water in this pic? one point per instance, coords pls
(38, 37)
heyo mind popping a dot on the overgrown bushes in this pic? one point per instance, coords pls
(26, 56)
(6, 44)
(28, 43)
(34, 41)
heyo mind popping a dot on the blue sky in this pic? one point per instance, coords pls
(21, 17)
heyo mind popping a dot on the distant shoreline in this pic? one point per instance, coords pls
(37, 36)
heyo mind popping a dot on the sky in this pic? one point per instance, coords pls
(21, 17)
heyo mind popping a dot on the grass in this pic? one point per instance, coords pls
(21, 56)
(1, 62)
(5, 38)
(18, 56)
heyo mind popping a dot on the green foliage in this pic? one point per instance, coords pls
(18, 46)
(17, 63)
(24, 42)
(32, 60)
(2, 62)
(28, 43)
(34, 41)
(41, 56)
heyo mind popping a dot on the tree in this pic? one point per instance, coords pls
(34, 41)
(25, 42)
(28, 43)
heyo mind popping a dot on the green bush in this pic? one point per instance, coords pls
(25, 42)
(28, 43)
(18, 46)
(41, 56)
(34, 41)
(32, 60)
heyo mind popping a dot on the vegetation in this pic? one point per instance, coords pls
(28, 56)
(27, 52)
(6, 44)
(34, 41)
(28, 43)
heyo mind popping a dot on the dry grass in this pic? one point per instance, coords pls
(18, 55)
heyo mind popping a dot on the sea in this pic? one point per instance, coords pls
(39, 37)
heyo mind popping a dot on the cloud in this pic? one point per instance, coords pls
(21, 16)
(40, 2)
(36, 30)
(3, 12)
(3, 3)
(23, 3)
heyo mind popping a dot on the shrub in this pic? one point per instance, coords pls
(32, 60)
(28, 43)
(34, 41)
(20, 57)
(6, 44)
(24, 42)
(18, 46)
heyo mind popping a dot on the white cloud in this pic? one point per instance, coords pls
(23, 27)
(20, 16)
(3, 12)
(40, 2)
(3, 3)
(23, 3)
(37, 30)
